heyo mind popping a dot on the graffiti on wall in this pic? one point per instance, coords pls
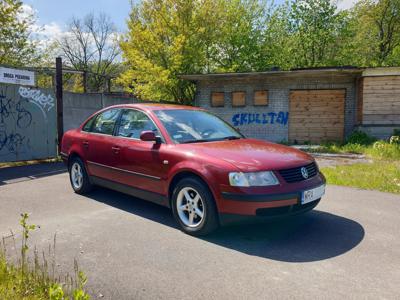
(13, 113)
(18, 126)
(37, 97)
(280, 118)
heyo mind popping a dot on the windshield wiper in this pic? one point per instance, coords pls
(232, 137)
(196, 141)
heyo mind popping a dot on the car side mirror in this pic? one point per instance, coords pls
(150, 136)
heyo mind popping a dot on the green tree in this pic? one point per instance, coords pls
(170, 37)
(238, 45)
(376, 30)
(279, 43)
(316, 28)
(163, 42)
(16, 48)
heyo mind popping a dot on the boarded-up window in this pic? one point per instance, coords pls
(261, 98)
(238, 98)
(381, 100)
(217, 99)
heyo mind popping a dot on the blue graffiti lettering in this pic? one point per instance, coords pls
(280, 118)
(252, 118)
(235, 120)
(272, 115)
(243, 119)
(265, 121)
(283, 118)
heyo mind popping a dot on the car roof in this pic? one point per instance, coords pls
(156, 106)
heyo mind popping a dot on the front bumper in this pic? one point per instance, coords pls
(268, 214)
(267, 202)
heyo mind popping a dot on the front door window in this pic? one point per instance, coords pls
(133, 123)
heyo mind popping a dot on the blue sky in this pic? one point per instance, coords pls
(61, 11)
(53, 15)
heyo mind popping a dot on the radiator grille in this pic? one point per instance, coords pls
(295, 174)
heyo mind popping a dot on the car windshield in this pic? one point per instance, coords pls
(195, 126)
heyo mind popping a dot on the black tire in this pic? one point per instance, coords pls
(86, 186)
(209, 222)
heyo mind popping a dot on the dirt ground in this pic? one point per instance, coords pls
(331, 160)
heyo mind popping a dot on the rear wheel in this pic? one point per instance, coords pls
(78, 176)
(194, 208)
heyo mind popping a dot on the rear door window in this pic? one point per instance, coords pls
(88, 126)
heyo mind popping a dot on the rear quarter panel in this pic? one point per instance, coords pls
(70, 144)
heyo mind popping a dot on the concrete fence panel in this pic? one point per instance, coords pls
(78, 107)
(27, 123)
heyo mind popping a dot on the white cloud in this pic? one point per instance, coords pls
(45, 34)
(49, 31)
(27, 11)
(346, 4)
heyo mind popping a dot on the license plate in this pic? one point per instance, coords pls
(313, 194)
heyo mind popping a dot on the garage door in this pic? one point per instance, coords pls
(316, 116)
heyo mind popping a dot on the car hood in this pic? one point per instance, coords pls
(250, 155)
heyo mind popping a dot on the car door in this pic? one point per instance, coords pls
(98, 143)
(142, 162)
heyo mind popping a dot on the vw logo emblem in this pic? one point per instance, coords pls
(304, 172)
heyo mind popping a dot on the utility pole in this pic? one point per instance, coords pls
(59, 96)
(84, 77)
(108, 84)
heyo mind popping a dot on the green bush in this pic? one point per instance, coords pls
(395, 140)
(384, 150)
(353, 148)
(360, 138)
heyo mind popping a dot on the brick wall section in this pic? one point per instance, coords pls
(278, 92)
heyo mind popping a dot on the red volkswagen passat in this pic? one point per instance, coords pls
(191, 161)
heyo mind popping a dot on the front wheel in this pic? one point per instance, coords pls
(194, 208)
(78, 176)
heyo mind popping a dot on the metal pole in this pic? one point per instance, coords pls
(59, 96)
(84, 77)
(108, 84)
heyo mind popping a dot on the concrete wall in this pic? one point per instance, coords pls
(383, 132)
(278, 88)
(28, 127)
(27, 123)
(78, 107)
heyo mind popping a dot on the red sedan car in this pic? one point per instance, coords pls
(191, 161)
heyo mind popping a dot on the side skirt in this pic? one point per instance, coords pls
(132, 191)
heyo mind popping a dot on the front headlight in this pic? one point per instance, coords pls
(266, 178)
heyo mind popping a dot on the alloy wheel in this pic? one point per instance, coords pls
(77, 176)
(190, 207)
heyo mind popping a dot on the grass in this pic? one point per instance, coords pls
(383, 174)
(28, 162)
(27, 280)
(380, 175)
(378, 150)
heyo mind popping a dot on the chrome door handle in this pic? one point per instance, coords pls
(115, 149)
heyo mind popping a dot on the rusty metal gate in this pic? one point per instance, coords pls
(28, 127)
